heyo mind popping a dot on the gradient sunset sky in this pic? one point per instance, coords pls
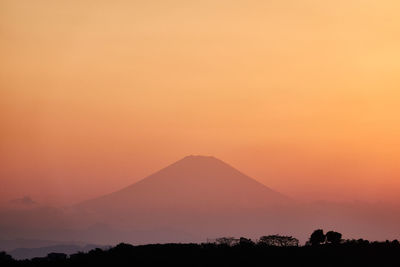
(303, 95)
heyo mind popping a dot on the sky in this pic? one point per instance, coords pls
(301, 95)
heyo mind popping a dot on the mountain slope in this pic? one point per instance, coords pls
(194, 193)
(196, 182)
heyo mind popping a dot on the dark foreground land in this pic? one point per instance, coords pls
(350, 253)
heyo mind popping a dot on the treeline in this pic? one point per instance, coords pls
(321, 250)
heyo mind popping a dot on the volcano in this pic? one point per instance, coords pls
(194, 182)
(193, 194)
(191, 200)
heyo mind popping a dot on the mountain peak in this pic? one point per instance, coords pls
(199, 158)
(194, 182)
(193, 166)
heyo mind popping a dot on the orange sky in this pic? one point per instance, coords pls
(301, 95)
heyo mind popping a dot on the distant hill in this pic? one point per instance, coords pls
(29, 253)
(24, 201)
(11, 244)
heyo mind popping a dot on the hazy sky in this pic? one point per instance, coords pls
(304, 96)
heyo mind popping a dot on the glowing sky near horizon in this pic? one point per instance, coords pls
(304, 96)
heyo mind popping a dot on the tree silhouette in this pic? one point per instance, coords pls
(349, 253)
(317, 237)
(245, 242)
(228, 241)
(278, 241)
(5, 258)
(333, 237)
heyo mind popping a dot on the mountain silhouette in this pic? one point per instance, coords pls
(196, 192)
(191, 200)
(195, 182)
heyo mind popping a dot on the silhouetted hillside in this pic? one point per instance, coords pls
(243, 252)
(28, 253)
